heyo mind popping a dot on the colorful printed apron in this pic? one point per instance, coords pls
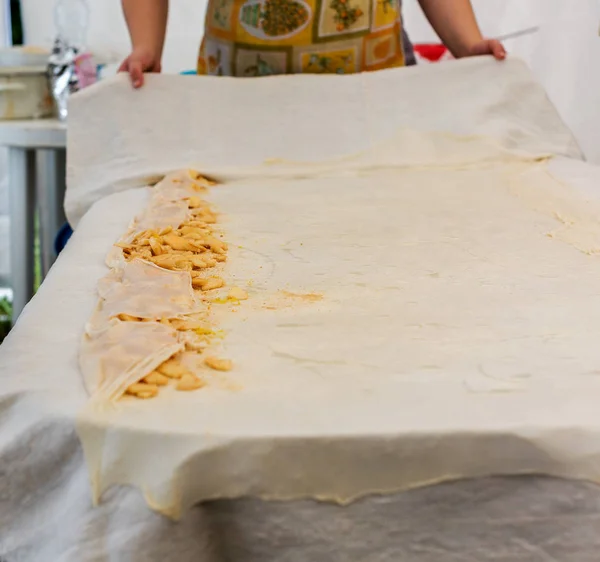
(267, 37)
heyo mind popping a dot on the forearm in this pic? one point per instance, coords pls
(147, 23)
(454, 21)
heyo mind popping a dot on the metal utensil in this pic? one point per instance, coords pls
(521, 33)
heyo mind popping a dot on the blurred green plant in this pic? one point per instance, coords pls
(5, 303)
(5, 307)
(5, 317)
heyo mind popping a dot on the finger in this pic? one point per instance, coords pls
(498, 50)
(137, 73)
(124, 66)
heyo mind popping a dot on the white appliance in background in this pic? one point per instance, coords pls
(24, 91)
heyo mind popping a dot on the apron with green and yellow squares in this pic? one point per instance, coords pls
(267, 37)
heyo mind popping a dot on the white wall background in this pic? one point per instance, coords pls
(4, 242)
(565, 54)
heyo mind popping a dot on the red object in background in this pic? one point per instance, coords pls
(432, 52)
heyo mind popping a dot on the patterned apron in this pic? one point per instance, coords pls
(267, 37)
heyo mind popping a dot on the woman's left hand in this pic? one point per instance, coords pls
(487, 47)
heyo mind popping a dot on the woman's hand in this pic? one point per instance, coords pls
(138, 62)
(454, 21)
(147, 23)
(487, 47)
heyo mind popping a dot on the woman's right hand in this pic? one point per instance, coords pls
(138, 62)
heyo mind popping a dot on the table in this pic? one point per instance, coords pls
(37, 171)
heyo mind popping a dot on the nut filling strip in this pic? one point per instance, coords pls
(152, 325)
